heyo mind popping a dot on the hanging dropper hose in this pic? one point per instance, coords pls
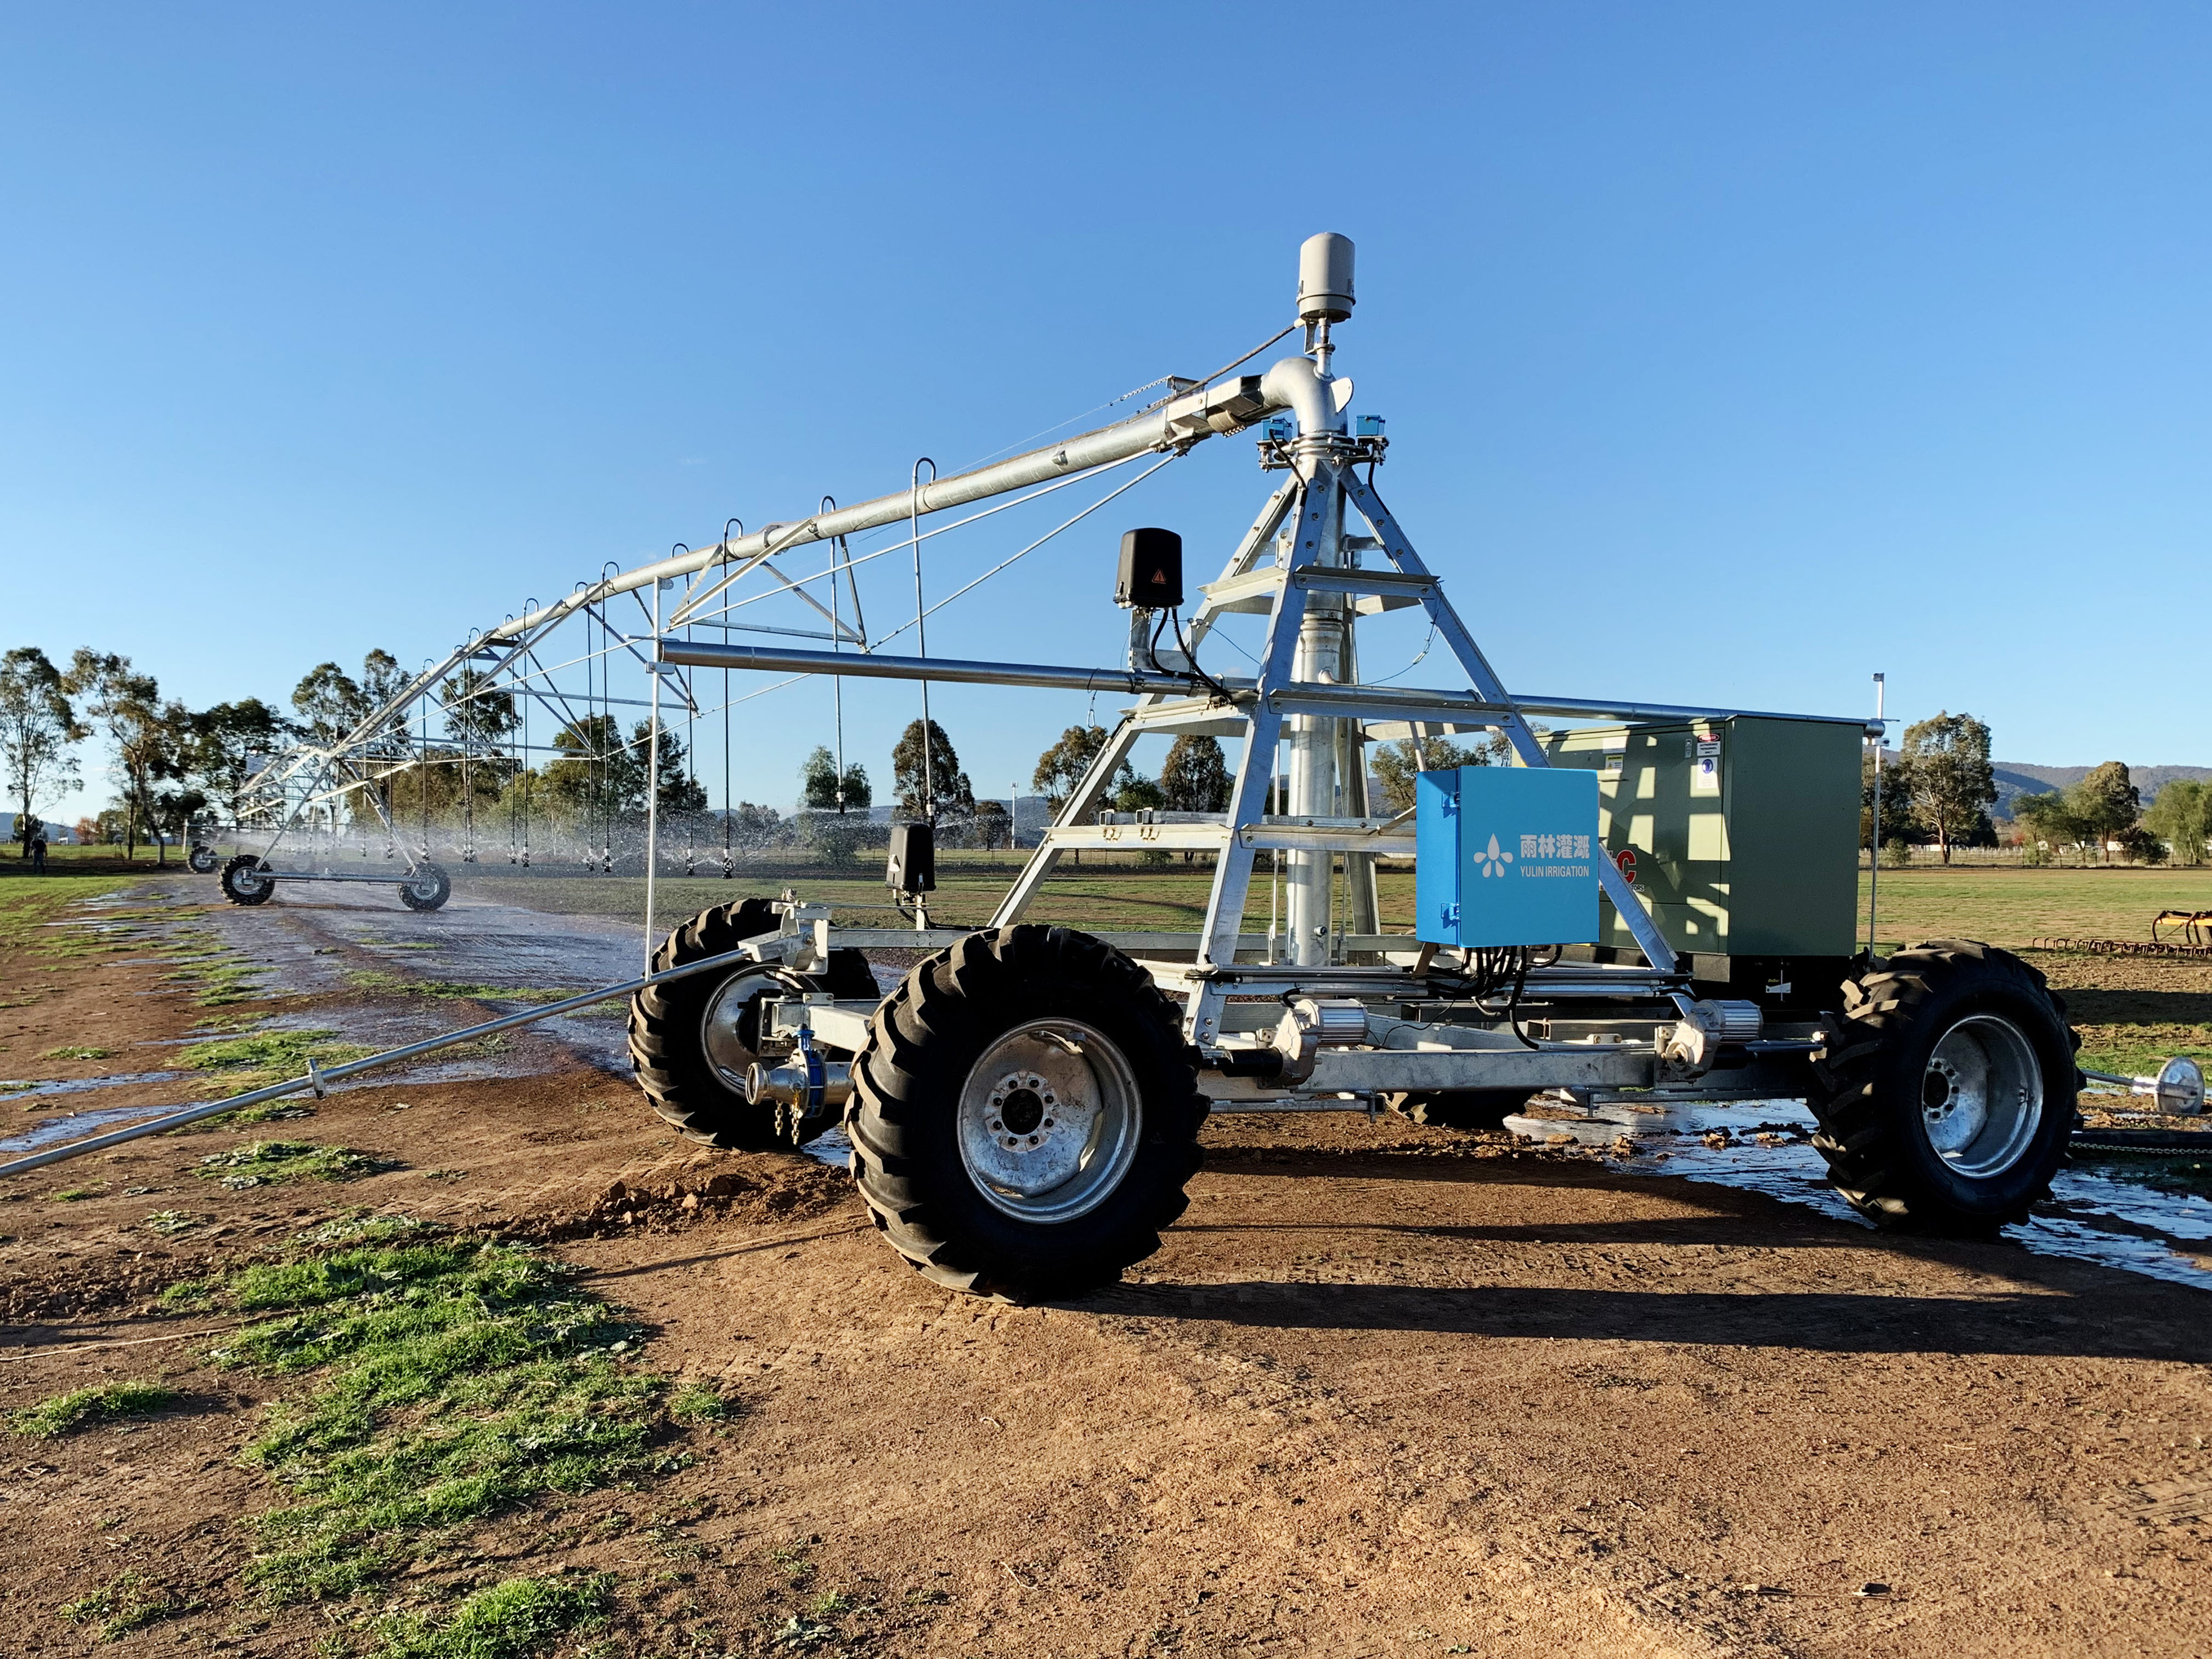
(837, 643)
(922, 638)
(729, 859)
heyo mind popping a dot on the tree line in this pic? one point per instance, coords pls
(1940, 786)
(172, 763)
(169, 760)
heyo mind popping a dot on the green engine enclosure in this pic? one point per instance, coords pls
(1745, 832)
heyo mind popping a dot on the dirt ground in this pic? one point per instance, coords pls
(1386, 1390)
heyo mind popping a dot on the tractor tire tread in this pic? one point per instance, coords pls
(947, 1004)
(1858, 1136)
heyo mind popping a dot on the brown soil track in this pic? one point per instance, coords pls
(1386, 1390)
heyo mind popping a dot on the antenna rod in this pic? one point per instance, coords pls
(1874, 855)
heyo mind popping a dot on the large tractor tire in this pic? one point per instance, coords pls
(244, 881)
(1025, 1115)
(692, 1040)
(426, 887)
(1946, 1093)
(202, 860)
(1460, 1109)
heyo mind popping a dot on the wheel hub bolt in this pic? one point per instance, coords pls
(1021, 1109)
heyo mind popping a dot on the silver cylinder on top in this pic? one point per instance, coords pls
(1325, 278)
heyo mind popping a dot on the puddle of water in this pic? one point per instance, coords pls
(831, 1147)
(78, 1125)
(2117, 1212)
(78, 1085)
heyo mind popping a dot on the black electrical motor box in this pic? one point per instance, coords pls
(912, 866)
(1152, 570)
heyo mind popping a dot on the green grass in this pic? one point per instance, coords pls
(26, 906)
(222, 985)
(65, 1414)
(377, 981)
(270, 1163)
(2009, 906)
(275, 1055)
(285, 1051)
(126, 1602)
(270, 1111)
(452, 1379)
(2004, 906)
(1121, 896)
(78, 1054)
(243, 1064)
(515, 1619)
(700, 1402)
(2140, 1051)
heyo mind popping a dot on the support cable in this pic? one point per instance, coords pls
(1165, 380)
(941, 530)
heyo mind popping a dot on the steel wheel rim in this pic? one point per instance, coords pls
(1048, 1120)
(249, 879)
(726, 1051)
(1981, 1096)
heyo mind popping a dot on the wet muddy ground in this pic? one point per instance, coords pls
(1387, 1389)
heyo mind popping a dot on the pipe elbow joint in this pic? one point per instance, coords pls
(1296, 384)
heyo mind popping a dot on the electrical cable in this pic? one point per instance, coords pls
(1426, 644)
(1219, 690)
(1152, 651)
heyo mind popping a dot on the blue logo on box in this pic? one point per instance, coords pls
(1506, 855)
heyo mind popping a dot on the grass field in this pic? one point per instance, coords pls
(2011, 906)
(1110, 898)
(2007, 907)
(2131, 1013)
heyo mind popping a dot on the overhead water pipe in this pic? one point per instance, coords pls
(1317, 399)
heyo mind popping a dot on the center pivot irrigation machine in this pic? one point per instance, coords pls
(1647, 904)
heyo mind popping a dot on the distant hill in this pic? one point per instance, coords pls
(2016, 778)
(57, 835)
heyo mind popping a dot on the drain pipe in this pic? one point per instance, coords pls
(317, 1079)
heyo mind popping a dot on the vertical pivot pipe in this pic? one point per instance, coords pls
(1323, 650)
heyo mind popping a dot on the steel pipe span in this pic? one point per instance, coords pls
(1348, 701)
(1408, 703)
(947, 670)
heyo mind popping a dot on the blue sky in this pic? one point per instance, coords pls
(1730, 353)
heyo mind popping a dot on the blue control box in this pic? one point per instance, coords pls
(1506, 855)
